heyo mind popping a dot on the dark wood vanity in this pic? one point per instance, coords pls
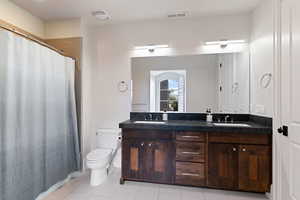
(218, 160)
(215, 159)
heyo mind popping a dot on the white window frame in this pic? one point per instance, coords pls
(156, 77)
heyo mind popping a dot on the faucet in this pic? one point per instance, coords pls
(150, 117)
(226, 118)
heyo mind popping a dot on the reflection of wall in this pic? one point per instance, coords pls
(201, 76)
(234, 79)
(262, 59)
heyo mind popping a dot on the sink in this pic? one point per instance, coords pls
(232, 124)
(149, 122)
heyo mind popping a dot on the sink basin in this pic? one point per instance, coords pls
(149, 122)
(232, 124)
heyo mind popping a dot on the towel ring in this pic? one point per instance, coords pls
(235, 88)
(265, 80)
(122, 86)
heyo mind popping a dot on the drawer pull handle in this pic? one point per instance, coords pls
(189, 174)
(192, 153)
(190, 136)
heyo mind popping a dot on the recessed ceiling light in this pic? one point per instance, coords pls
(100, 14)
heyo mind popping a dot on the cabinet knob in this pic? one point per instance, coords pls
(150, 144)
(142, 144)
(234, 149)
(244, 149)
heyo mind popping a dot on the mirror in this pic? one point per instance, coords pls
(192, 83)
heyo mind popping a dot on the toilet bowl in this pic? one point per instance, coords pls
(99, 160)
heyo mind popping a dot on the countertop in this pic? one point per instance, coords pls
(203, 126)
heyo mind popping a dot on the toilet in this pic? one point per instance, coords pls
(100, 159)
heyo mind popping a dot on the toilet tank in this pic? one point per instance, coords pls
(108, 138)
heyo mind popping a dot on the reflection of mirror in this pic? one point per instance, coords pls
(191, 83)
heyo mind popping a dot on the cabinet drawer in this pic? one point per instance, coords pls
(146, 134)
(191, 136)
(240, 138)
(190, 151)
(190, 174)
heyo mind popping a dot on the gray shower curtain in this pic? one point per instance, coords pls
(39, 142)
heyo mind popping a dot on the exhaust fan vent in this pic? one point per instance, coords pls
(177, 15)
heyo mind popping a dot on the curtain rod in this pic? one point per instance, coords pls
(28, 36)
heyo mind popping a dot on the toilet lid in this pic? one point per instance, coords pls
(98, 154)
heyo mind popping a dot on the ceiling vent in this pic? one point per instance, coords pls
(100, 14)
(177, 15)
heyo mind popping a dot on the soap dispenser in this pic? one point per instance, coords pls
(165, 116)
(209, 116)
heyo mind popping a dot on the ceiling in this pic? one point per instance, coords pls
(134, 10)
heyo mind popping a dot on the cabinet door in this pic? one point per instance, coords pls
(223, 166)
(158, 161)
(254, 168)
(132, 154)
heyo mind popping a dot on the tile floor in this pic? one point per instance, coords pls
(79, 189)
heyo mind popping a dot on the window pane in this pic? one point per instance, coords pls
(164, 85)
(173, 84)
(173, 105)
(169, 95)
(173, 95)
(164, 95)
(164, 106)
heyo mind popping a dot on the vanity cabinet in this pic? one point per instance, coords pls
(234, 161)
(190, 158)
(238, 164)
(223, 166)
(254, 168)
(146, 157)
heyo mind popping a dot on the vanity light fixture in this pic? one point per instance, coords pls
(225, 43)
(151, 48)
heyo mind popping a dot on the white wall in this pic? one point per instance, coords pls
(201, 79)
(234, 78)
(113, 46)
(262, 49)
(63, 29)
(19, 17)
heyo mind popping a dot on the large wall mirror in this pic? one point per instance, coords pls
(192, 83)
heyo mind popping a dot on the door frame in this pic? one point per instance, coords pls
(277, 113)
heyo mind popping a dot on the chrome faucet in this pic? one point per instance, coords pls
(150, 117)
(226, 118)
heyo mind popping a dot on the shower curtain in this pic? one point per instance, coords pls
(39, 142)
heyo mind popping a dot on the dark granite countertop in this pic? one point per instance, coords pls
(203, 126)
